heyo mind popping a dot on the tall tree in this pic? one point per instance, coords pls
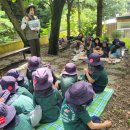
(99, 18)
(79, 20)
(69, 4)
(7, 6)
(57, 8)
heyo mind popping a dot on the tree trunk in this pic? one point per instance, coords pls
(99, 18)
(13, 19)
(68, 22)
(57, 8)
(70, 3)
(79, 20)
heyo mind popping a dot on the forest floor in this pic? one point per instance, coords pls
(119, 80)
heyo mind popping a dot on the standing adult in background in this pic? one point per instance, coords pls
(31, 27)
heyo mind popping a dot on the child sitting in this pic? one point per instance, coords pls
(105, 49)
(10, 121)
(21, 79)
(34, 63)
(80, 37)
(74, 113)
(98, 50)
(68, 77)
(114, 42)
(22, 103)
(52, 71)
(77, 47)
(20, 90)
(4, 95)
(44, 95)
(88, 45)
(78, 50)
(96, 42)
(98, 77)
(62, 42)
(115, 50)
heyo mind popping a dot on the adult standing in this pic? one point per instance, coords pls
(31, 26)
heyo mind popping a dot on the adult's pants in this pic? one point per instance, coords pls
(35, 47)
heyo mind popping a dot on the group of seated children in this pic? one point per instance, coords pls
(39, 97)
(62, 42)
(105, 49)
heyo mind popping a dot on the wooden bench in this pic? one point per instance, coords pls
(15, 52)
(3, 68)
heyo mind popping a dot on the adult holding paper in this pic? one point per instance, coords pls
(31, 26)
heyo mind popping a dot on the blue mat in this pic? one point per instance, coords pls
(96, 108)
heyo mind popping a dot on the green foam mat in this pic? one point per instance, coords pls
(96, 108)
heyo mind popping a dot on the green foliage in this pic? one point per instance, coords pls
(35, 2)
(113, 7)
(116, 34)
(63, 22)
(6, 29)
(87, 16)
(44, 31)
(2, 14)
(88, 25)
(127, 41)
(13, 1)
(105, 38)
(44, 14)
(128, 120)
(91, 4)
(73, 21)
(5, 39)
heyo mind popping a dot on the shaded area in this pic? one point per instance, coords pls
(119, 80)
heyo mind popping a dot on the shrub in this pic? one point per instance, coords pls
(44, 31)
(7, 32)
(127, 42)
(104, 38)
(116, 34)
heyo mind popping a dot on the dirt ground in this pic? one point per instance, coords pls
(119, 80)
